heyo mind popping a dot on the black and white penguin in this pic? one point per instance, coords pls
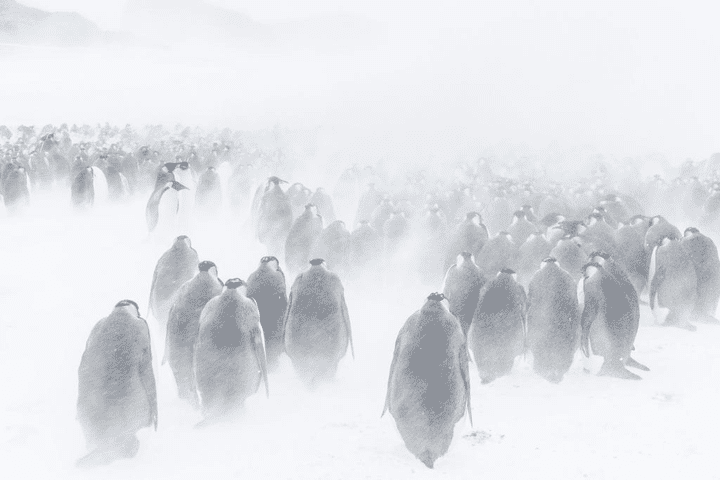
(461, 288)
(428, 388)
(116, 386)
(175, 267)
(704, 255)
(274, 217)
(673, 284)
(163, 207)
(305, 231)
(82, 191)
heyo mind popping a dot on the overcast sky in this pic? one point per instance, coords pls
(623, 76)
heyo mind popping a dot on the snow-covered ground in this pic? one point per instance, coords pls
(62, 272)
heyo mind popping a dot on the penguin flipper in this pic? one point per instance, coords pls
(346, 319)
(147, 378)
(259, 347)
(396, 352)
(465, 373)
(588, 316)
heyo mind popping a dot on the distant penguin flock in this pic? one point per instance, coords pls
(519, 265)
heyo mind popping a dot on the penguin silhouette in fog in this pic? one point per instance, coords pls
(428, 388)
(175, 267)
(163, 206)
(317, 324)
(673, 284)
(461, 288)
(116, 386)
(267, 287)
(82, 191)
(274, 217)
(305, 231)
(704, 255)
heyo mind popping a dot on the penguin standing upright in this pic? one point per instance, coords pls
(532, 253)
(631, 253)
(609, 321)
(570, 256)
(162, 208)
(520, 228)
(16, 193)
(497, 333)
(470, 236)
(274, 217)
(175, 267)
(116, 386)
(673, 284)
(317, 324)
(82, 191)
(333, 245)
(498, 253)
(365, 242)
(462, 286)
(428, 388)
(553, 320)
(302, 237)
(184, 324)
(704, 255)
(230, 360)
(209, 195)
(267, 287)
(324, 204)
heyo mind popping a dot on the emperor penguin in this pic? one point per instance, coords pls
(184, 324)
(470, 236)
(324, 204)
(175, 267)
(531, 254)
(608, 321)
(274, 217)
(305, 231)
(498, 253)
(333, 245)
(16, 189)
(266, 285)
(497, 333)
(658, 229)
(520, 228)
(461, 288)
(365, 243)
(317, 324)
(162, 208)
(229, 358)
(673, 284)
(82, 191)
(704, 256)
(553, 320)
(116, 386)
(428, 387)
(100, 184)
(209, 195)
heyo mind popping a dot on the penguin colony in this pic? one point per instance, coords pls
(521, 267)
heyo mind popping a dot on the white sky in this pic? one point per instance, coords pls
(624, 76)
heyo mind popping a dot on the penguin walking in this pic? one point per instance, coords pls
(324, 204)
(274, 217)
(302, 237)
(609, 321)
(631, 253)
(532, 253)
(461, 288)
(317, 324)
(673, 284)
(498, 253)
(16, 190)
(333, 245)
(497, 333)
(470, 236)
(184, 325)
(82, 191)
(162, 209)
(175, 267)
(266, 285)
(553, 320)
(209, 195)
(704, 255)
(229, 359)
(428, 388)
(116, 386)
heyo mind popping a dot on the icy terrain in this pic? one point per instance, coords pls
(63, 271)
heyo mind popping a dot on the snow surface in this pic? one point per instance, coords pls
(63, 271)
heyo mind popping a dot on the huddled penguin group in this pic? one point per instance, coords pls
(529, 268)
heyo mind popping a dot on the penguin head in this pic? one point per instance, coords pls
(271, 262)
(129, 306)
(655, 220)
(507, 271)
(169, 167)
(183, 240)
(310, 207)
(463, 258)
(208, 266)
(599, 257)
(590, 269)
(664, 241)
(690, 231)
(316, 262)
(517, 216)
(505, 234)
(439, 299)
(548, 260)
(474, 217)
(178, 186)
(236, 284)
(275, 181)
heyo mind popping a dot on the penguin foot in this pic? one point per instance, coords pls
(685, 326)
(486, 380)
(617, 371)
(708, 319)
(427, 458)
(632, 363)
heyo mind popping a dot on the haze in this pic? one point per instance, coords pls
(435, 80)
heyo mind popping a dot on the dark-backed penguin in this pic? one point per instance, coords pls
(461, 287)
(274, 218)
(305, 231)
(175, 267)
(470, 236)
(82, 191)
(333, 245)
(428, 388)
(163, 205)
(673, 284)
(317, 324)
(116, 386)
(704, 255)
(499, 252)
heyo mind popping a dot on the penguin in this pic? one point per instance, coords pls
(598, 235)
(673, 284)
(163, 205)
(324, 204)
(16, 193)
(209, 196)
(369, 200)
(428, 389)
(116, 386)
(461, 288)
(175, 267)
(165, 174)
(553, 320)
(333, 245)
(100, 185)
(660, 228)
(305, 231)
(570, 256)
(365, 243)
(240, 186)
(229, 360)
(499, 252)
(608, 322)
(82, 191)
(497, 333)
(432, 234)
(299, 196)
(266, 285)
(317, 324)
(531, 254)
(381, 214)
(520, 228)
(704, 255)
(184, 175)
(118, 186)
(275, 217)
(184, 324)
(396, 231)
(631, 253)
(470, 236)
